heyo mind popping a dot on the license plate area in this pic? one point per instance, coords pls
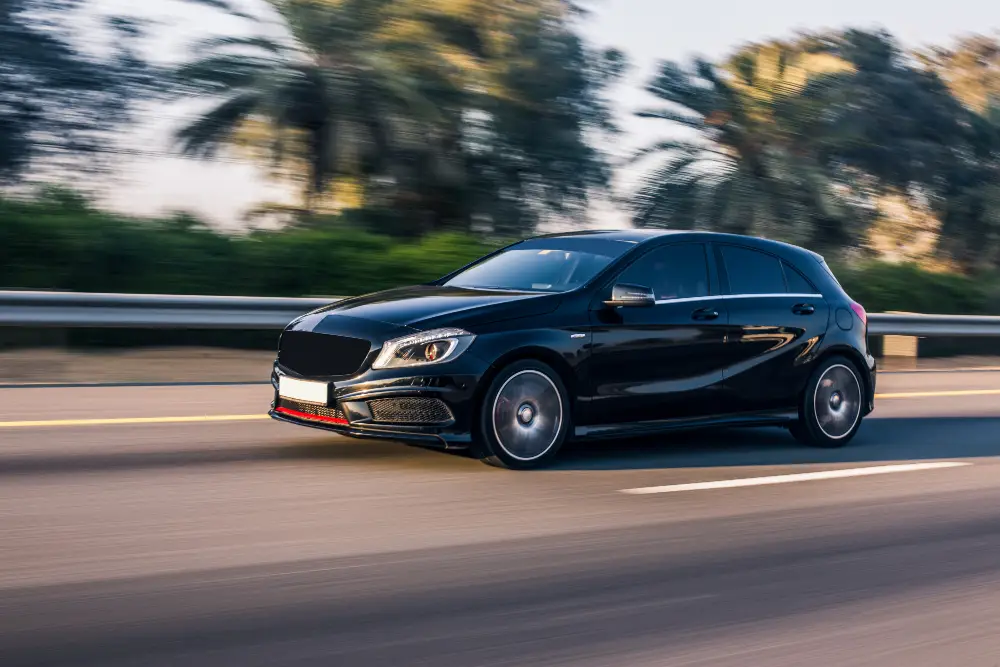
(305, 391)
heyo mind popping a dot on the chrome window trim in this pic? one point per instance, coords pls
(739, 296)
(796, 295)
(687, 299)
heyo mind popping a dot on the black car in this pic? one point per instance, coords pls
(587, 335)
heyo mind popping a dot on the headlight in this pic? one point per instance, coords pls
(421, 349)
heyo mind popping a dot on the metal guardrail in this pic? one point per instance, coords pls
(150, 311)
(158, 311)
(912, 324)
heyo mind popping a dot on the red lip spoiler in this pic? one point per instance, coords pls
(306, 415)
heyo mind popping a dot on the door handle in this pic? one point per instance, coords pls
(705, 314)
(803, 309)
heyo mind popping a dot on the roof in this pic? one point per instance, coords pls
(641, 235)
(617, 234)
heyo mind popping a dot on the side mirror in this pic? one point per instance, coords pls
(625, 295)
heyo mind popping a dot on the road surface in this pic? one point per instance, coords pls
(182, 529)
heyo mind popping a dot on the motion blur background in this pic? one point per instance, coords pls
(335, 147)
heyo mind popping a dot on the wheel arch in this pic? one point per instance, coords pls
(545, 355)
(857, 359)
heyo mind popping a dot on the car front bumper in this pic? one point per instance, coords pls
(351, 410)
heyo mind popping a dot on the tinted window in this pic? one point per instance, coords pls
(752, 272)
(797, 283)
(673, 272)
(829, 272)
(543, 265)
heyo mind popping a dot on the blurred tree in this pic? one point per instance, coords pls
(969, 205)
(734, 164)
(886, 117)
(899, 122)
(445, 112)
(817, 139)
(58, 104)
(527, 138)
(333, 95)
(971, 69)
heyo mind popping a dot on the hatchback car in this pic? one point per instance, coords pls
(587, 335)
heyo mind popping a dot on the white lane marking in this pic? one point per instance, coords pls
(797, 477)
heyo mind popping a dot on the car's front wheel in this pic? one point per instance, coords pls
(830, 411)
(524, 417)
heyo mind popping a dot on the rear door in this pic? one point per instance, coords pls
(664, 361)
(775, 317)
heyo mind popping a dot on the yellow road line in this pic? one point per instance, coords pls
(936, 394)
(242, 418)
(133, 420)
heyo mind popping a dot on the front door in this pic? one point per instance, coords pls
(664, 361)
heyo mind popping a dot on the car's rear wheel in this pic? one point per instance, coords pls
(831, 407)
(524, 417)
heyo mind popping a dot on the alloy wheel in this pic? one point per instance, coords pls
(527, 415)
(837, 401)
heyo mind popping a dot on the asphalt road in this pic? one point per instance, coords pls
(248, 542)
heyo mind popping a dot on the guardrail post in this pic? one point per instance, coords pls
(900, 351)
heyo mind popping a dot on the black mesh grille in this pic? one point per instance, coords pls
(311, 409)
(409, 411)
(318, 355)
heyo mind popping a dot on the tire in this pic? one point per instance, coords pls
(524, 417)
(831, 407)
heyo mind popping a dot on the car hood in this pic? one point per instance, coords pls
(426, 306)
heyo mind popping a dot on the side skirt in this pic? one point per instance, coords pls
(636, 429)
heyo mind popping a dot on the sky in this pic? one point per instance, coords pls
(646, 30)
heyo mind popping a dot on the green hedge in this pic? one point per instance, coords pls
(60, 242)
(882, 287)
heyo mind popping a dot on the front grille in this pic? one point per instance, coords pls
(409, 411)
(309, 410)
(319, 355)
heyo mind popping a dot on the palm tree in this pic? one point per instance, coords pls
(734, 167)
(60, 105)
(343, 90)
(441, 113)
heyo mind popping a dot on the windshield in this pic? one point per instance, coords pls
(542, 265)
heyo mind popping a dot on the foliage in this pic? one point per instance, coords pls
(742, 171)
(58, 104)
(60, 242)
(447, 112)
(969, 205)
(883, 287)
(970, 68)
(803, 140)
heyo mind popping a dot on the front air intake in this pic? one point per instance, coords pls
(409, 411)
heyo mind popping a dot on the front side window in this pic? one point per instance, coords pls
(542, 265)
(672, 272)
(753, 272)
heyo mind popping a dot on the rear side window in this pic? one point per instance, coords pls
(826, 267)
(797, 283)
(753, 272)
(672, 272)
